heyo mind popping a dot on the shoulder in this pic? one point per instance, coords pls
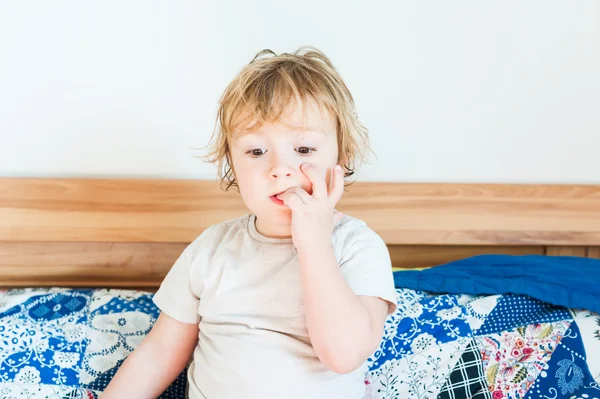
(218, 232)
(352, 232)
(351, 228)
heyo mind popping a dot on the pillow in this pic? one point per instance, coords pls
(59, 342)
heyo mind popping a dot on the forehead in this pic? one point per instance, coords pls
(297, 116)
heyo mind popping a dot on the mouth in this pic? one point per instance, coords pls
(277, 200)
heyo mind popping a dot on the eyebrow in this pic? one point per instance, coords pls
(246, 133)
(245, 138)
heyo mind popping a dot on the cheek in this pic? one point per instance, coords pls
(250, 194)
(249, 182)
(248, 171)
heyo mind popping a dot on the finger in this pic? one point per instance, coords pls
(298, 191)
(317, 178)
(292, 201)
(337, 184)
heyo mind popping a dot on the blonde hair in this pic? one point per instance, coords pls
(261, 92)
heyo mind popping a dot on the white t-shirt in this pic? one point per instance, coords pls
(245, 292)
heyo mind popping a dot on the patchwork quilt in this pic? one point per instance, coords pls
(66, 343)
(62, 343)
(496, 346)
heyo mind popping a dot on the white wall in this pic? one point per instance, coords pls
(494, 91)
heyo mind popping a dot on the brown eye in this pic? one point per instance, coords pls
(256, 152)
(305, 150)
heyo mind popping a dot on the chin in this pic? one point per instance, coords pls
(280, 215)
(284, 217)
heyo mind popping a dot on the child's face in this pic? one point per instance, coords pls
(267, 161)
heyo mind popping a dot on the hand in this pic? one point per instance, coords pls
(314, 216)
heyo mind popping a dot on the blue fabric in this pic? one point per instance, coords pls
(567, 281)
(61, 343)
(514, 311)
(568, 373)
(421, 321)
(69, 343)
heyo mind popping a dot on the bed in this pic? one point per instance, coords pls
(80, 259)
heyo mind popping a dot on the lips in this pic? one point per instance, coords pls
(277, 200)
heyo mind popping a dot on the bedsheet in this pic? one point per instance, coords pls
(68, 343)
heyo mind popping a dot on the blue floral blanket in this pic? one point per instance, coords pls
(493, 326)
(67, 343)
(493, 346)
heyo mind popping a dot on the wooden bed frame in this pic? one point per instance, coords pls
(127, 233)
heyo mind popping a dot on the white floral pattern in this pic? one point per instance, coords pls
(28, 375)
(423, 342)
(449, 314)
(589, 326)
(65, 359)
(513, 359)
(423, 319)
(44, 391)
(61, 343)
(421, 375)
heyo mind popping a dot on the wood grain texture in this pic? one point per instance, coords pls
(420, 256)
(122, 210)
(566, 251)
(128, 265)
(144, 265)
(470, 214)
(111, 210)
(593, 252)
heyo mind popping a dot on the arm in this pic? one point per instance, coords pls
(345, 329)
(155, 364)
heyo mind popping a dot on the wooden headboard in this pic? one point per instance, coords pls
(127, 233)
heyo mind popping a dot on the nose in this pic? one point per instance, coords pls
(281, 169)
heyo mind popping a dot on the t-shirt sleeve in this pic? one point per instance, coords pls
(175, 296)
(367, 267)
